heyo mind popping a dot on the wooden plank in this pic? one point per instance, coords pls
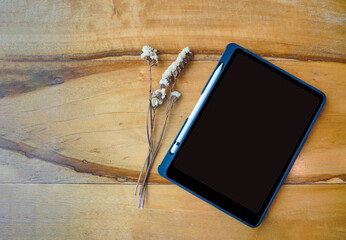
(73, 108)
(109, 212)
(86, 29)
(90, 116)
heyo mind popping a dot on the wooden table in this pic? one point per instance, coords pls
(73, 101)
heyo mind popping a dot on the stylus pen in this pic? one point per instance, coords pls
(196, 109)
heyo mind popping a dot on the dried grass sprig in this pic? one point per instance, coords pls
(149, 54)
(170, 76)
(156, 98)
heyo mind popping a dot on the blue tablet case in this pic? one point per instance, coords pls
(162, 169)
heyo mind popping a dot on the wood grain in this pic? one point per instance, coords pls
(73, 109)
(94, 120)
(87, 29)
(107, 212)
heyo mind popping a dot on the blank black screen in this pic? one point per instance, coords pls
(246, 132)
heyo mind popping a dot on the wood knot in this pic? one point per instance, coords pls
(57, 80)
(122, 179)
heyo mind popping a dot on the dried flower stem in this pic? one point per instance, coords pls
(143, 188)
(150, 127)
(156, 98)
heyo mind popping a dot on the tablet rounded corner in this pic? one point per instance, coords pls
(232, 46)
(324, 97)
(162, 171)
(257, 224)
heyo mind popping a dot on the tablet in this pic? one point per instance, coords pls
(243, 135)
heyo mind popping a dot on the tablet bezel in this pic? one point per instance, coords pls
(216, 198)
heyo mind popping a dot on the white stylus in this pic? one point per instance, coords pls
(196, 109)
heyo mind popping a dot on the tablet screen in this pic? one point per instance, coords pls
(246, 132)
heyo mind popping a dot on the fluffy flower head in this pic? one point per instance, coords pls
(157, 97)
(175, 94)
(149, 55)
(173, 71)
(164, 83)
(155, 102)
(160, 93)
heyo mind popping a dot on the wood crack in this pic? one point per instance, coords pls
(122, 175)
(115, 53)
